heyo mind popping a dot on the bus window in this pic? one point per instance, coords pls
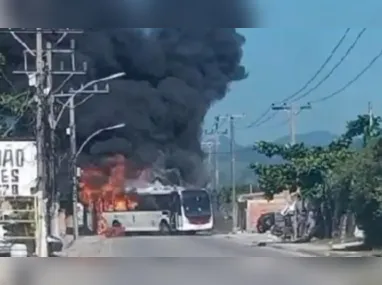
(163, 201)
(147, 203)
(196, 202)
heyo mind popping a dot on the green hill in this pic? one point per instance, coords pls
(245, 155)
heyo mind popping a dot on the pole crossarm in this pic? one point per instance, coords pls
(73, 93)
(293, 111)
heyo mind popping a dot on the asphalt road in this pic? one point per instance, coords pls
(246, 265)
(183, 246)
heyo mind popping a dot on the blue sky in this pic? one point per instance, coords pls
(281, 60)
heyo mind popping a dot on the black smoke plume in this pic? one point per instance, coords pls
(173, 76)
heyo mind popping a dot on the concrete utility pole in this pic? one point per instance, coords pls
(209, 146)
(90, 89)
(71, 130)
(69, 72)
(232, 118)
(293, 111)
(42, 246)
(38, 78)
(369, 128)
(41, 77)
(215, 132)
(370, 112)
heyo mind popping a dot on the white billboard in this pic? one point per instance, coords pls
(18, 167)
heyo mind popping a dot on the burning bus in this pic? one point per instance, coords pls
(142, 207)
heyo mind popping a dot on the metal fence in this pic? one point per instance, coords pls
(18, 222)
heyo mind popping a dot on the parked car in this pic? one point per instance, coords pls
(265, 222)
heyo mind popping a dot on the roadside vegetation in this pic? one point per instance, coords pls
(342, 181)
(16, 108)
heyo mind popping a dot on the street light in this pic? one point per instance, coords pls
(96, 133)
(74, 175)
(82, 89)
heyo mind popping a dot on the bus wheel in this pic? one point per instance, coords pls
(164, 229)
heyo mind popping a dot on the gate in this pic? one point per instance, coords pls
(18, 222)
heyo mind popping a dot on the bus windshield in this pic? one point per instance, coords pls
(196, 203)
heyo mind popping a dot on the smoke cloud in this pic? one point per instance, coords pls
(173, 76)
(127, 13)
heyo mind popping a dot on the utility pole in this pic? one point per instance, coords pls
(71, 131)
(369, 128)
(292, 111)
(232, 118)
(69, 72)
(42, 246)
(370, 112)
(40, 77)
(51, 157)
(70, 96)
(215, 132)
(73, 165)
(209, 147)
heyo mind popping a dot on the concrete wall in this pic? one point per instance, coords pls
(258, 206)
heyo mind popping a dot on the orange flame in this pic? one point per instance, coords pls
(108, 185)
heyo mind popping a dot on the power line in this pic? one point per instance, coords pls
(232, 119)
(321, 68)
(292, 111)
(322, 99)
(347, 85)
(259, 121)
(338, 64)
(215, 132)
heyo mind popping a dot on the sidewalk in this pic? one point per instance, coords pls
(251, 239)
(313, 249)
(5, 271)
(68, 241)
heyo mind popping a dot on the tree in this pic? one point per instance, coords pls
(337, 178)
(362, 127)
(225, 194)
(309, 167)
(16, 110)
(364, 175)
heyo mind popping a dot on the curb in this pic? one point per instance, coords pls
(311, 253)
(65, 248)
(69, 244)
(308, 253)
(329, 253)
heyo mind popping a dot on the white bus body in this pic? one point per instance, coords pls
(196, 211)
(134, 221)
(176, 210)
